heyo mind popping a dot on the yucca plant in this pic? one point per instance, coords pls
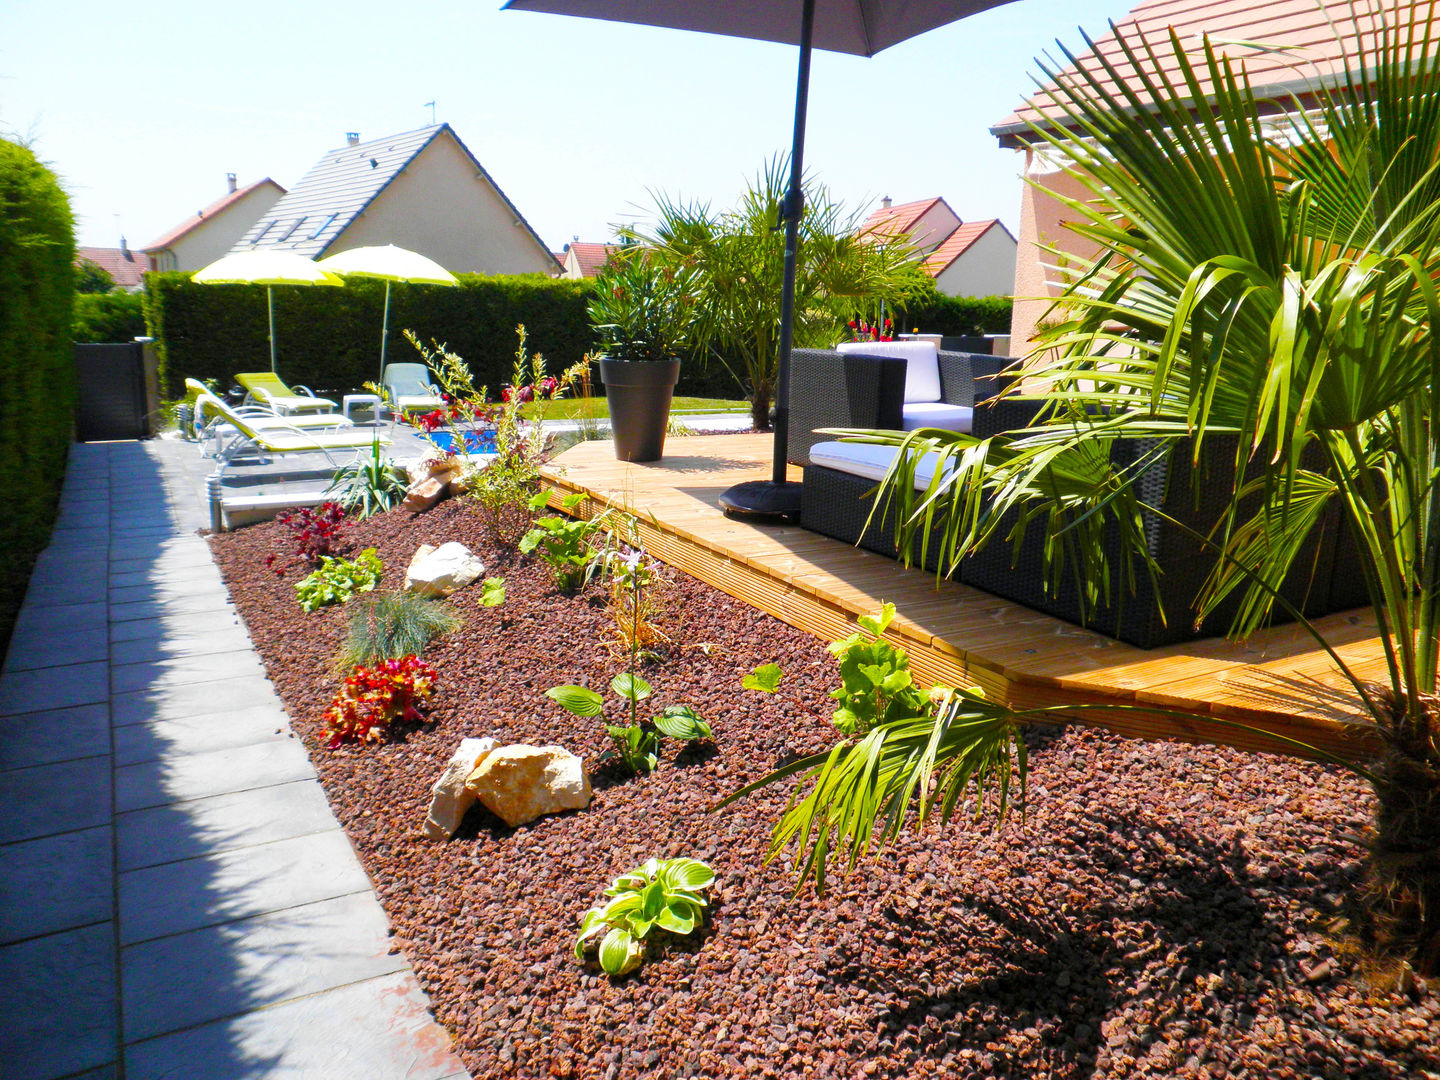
(1270, 283)
(395, 625)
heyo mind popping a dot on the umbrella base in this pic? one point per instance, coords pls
(761, 499)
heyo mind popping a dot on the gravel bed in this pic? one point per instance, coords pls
(1160, 911)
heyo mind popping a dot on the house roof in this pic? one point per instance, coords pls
(956, 244)
(1245, 30)
(343, 184)
(125, 266)
(230, 198)
(888, 221)
(590, 257)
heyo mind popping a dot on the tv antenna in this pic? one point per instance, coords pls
(431, 104)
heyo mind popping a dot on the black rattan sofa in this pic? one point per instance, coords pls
(863, 392)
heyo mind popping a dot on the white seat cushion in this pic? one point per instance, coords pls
(922, 364)
(869, 460)
(936, 414)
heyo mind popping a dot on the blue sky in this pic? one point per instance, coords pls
(143, 108)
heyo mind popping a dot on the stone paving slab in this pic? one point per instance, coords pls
(62, 620)
(175, 897)
(176, 624)
(33, 649)
(188, 830)
(168, 646)
(193, 978)
(43, 738)
(207, 734)
(214, 599)
(53, 688)
(177, 702)
(215, 772)
(57, 883)
(185, 670)
(60, 1004)
(47, 799)
(377, 1029)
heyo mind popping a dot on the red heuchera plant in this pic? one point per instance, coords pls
(373, 698)
(316, 533)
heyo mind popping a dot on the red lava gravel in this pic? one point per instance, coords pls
(1161, 910)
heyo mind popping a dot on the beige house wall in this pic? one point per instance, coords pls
(212, 238)
(1042, 218)
(987, 267)
(933, 227)
(441, 207)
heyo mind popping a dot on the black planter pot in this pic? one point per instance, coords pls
(639, 395)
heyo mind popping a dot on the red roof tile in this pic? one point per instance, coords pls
(229, 199)
(885, 222)
(125, 266)
(956, 244)
(591, 257)
(1304, 27)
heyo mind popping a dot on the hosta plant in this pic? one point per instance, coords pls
(373, 698)
(563, 543)
(339, 580)
(664, 894)
(634, 745)
(875, 681)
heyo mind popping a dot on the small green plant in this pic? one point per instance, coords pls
(875, 681)
(395, 625)
(337, 581)
(667, 894)
(563, 543)
(492, 592)
(634, 745)
(765, 678)
(368, 485)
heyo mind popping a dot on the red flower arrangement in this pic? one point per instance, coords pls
(372, 698)
(863, 331)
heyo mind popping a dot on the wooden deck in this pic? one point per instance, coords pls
(1277, 682)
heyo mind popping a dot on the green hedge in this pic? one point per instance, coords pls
(957, 316)
(37, 370)
(108, 317)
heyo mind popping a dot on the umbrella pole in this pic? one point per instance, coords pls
(270, 306)
(778, 496)
(384, 330)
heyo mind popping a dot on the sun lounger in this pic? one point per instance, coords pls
(410, 388)
(270, 390)
(205, 424)
(282, 435)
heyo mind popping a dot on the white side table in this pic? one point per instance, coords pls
(367, 401)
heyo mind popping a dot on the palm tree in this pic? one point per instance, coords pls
(738, 260)
(1264, 277)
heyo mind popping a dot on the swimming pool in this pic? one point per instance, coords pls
(476, 442)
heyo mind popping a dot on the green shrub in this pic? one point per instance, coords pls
(105, 317)
(336, 581)
(395, 625)
(37, 282)
(955, 316)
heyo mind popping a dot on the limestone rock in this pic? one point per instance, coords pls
(423, 494)
(442, 469)
(521, 783)
(440, 571)
(451, 798)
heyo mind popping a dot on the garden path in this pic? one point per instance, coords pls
(176, 896)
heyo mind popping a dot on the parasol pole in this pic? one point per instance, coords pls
(384, 329)
(270, 306)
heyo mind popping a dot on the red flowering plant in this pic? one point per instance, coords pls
(373, 698)
(862, 330)
(316, 533)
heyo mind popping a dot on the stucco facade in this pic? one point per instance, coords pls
(197, 242)
(986, 267)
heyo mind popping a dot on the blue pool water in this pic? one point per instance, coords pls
(476, 442)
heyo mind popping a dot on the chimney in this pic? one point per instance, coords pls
(230, 180)
(885, 203)
(352, 138)
(124, 247)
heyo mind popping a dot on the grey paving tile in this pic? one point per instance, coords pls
(204, 734)
(31, 649)
(172, 898)
(206, 667)
(68, 619)
(192, 978)
(164, 574)
(44, 738)
(176, 624)
(53, 688)
(193, 699)
(57, 883)
(376, 1028)
(222, 823)
(48, 799)
(91, 538)
(144, 650)
(198, 776)
(57, 994)
(209, 600)
(129, 561)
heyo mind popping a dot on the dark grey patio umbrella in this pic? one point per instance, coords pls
(859, 27)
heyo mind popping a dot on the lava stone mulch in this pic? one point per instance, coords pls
(1161, 910)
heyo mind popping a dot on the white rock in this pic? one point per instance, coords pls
(440, 571)
(442, 469)
(521, 783)
(451, 798)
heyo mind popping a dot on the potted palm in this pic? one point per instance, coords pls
(644, 318)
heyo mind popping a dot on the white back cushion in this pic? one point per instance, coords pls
(936, 414)
(922, 367)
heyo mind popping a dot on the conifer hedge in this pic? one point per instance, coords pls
(37, 370)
